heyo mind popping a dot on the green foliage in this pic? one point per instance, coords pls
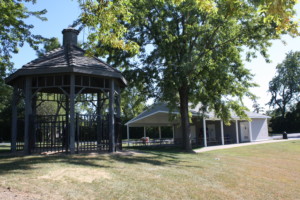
(256, 107)
(14, 31)
(48, 107)
(132, 104)
(285, 86)
(189, 49)
(5, 111)
(289, 123)
(49, 45)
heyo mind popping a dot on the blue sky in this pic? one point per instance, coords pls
(62, 13)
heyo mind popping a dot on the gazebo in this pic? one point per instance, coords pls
(70, 80)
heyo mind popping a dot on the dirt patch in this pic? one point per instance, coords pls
(129, 153)
(85, 175)
(11, 194)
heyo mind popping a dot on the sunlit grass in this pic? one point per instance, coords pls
(264, 171)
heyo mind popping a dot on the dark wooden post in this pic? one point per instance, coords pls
(118, 110)
(67, 128)
(118, 103)
(32, 135)
(111, 116)
(99, 121)
(14, 125)
(28, 112)
(72, 114)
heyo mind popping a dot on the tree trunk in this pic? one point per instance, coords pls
(185, 125)
(283, 112)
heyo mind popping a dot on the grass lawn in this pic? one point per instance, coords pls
(264, 171)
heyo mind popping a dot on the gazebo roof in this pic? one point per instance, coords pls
(67, 59)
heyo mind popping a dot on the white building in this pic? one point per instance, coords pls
(206, 131)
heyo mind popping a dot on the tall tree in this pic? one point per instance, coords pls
(256, 107)
(49, 45)
(285, 86)
(190, 49)
(133, 103)
(14, 31)
(48, 107)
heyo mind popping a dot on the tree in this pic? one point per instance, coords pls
(14, 31)
(132, 104)
(285, 86)
(290, 123)
(190, 49)
(48, 107)
(49, 45)
(256, 107)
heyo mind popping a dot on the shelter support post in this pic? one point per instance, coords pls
(222, 132)
(145, 133)
(14, 127)
(28, 112)
(118, 103)
(111, 116)
(173, 129)
(128, 135)
(250, 131)
(72, 114)
(237, 131)
(118, 114)
(159, 132)
(204, 132)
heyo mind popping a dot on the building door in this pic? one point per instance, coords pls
(245, 135)
(211, 131)
(193, 133)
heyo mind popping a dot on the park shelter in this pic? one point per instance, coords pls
(206, 129)
(69, 78)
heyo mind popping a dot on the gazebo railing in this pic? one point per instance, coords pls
(50, 133)
(91, 133)
(20, 135)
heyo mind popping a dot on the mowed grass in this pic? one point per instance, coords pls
(264, 171)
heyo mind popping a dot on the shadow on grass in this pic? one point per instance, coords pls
(162, 156)
(155, 155)
(21, 164)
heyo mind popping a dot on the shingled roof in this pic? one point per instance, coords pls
(159, 108)
(67, 59)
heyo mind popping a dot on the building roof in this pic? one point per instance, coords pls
(67, 59)
(161, 109)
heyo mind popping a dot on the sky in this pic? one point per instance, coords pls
(62, 13)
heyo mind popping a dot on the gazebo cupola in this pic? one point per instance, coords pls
(85, 102)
